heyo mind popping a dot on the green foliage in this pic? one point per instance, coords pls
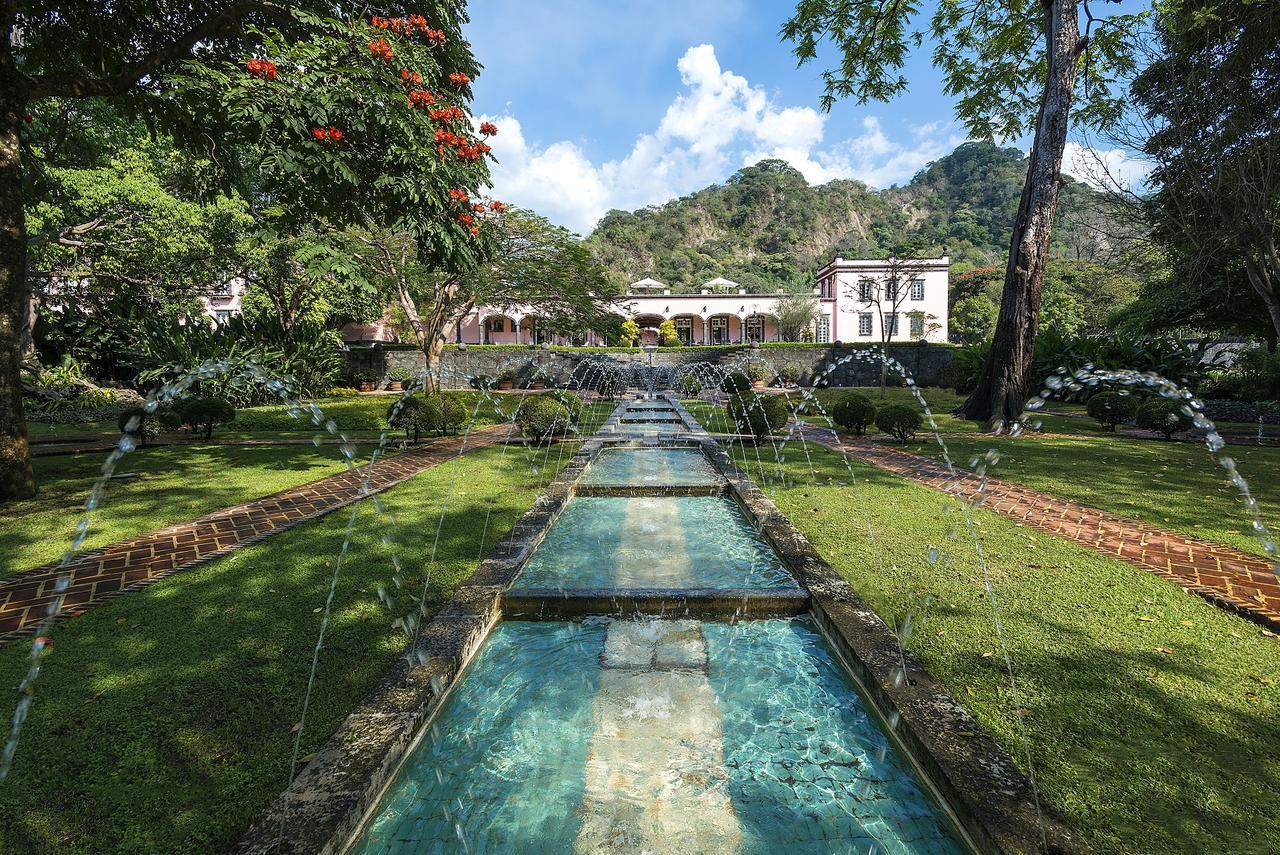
(1113, 408)
(203, 412)
(1255, 376)
(735, 382)
(899, 421)
(756, 414)
(1163, 415)
(757, 372)
(610, 386)
(667, 334)
(964, 370)
(854, 412)
(540, 418)
(789, 372)
(418, 413)
(630, 331)
(1168, 357)
(342, 392)
(399, 374)
(570, 401)
(973, 319)
(142, 425)
(688, 385)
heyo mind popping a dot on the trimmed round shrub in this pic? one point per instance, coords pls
(1164, 416)
(758, 415)
(203, 412)
(735, 382)
(758, 372)
(789, 372)
(417, 413)
(610, 386)
(899, 421)
(688, 385)
(1112, 408)
(855, 412)
(572, 404)
(140, 424)
(541, 418)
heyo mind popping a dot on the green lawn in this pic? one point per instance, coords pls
(162, 719)
(174, 484)
(1152, 717)
(1171, 484)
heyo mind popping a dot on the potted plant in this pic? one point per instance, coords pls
(366, 380)
(537, 378)
(758, 372)
(506, 379)
(397, 377)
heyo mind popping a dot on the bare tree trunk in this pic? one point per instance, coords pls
(1264, 276)
(1002, 391)
(17, 481)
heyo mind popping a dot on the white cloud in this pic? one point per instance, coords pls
(717, 123)
(1104, 169)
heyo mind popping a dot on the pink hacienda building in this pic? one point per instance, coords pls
(854, 304)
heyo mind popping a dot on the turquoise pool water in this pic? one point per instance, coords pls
(659, 736)
(650, 466)
(652, 542)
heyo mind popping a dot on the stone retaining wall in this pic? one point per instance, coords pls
(857, 367)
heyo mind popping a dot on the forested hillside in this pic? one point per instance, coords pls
(768, 228)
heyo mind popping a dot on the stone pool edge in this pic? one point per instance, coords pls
(971, 774)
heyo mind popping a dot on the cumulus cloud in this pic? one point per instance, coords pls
(717, 123)
(1104, 169)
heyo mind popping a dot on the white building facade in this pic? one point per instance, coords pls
(857, 300)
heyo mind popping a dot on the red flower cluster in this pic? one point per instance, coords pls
(421, 98)
(410, 78)
(448, 114)
(478, 208)
(466, 219)
(28, 118)
(459, 196)
(459, 79)
(327, 134)
(497, 207)
(381, 48)
(488, 129)
(475, 230)
(409, 26)
(263, 69)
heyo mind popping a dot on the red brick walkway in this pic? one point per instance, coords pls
(127, 566)
(1239, 582)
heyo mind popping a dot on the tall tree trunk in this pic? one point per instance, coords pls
(16, 478)
(1263, 269)
(1002, 391)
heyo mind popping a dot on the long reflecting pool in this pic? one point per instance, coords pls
(650, 466)
(657, 736)
(652, 542)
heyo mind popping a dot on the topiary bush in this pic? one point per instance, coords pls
(139, 424)
(572, 404)
(1164, 416)
(416, 413)
(610, 386)
(735, 382)
(855, 412)
(541, 418)
(203, 412)
(758, 415)
(899, 421)
(688, 385)
(1112, 408)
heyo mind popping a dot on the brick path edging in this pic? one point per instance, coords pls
(122, 567)
(1235, 581)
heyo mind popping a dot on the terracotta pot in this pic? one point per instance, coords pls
(539, 384)
(395, 386)
(505, 385)
(366, 385)
(757, 384)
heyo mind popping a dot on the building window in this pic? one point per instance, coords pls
(222, 316)
(864, 323)
(684, 330)
(865, 291)
(891, 291)
(917, 289)
(720, 330)
(891, 323)
(755, 328)
(496, 324)
(823, 334)
(917, 325)
(222, 290)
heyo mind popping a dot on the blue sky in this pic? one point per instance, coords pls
(621, 104)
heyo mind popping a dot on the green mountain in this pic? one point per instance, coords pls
(768, 228)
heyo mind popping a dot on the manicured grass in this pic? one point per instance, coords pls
(1175, 485)
(1152, 717)
(174, 484)
(162, 719)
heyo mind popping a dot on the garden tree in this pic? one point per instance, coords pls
(630, 332)
(1212, 97)
(667, 335)
(1014, 68)
(307, 277)
(1222, 302)
(326, 118)
(531, 263)
(795, 314)
(109, 243)
(973, 319)
(887, 292)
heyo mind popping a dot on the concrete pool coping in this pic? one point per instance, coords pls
(979, 790)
